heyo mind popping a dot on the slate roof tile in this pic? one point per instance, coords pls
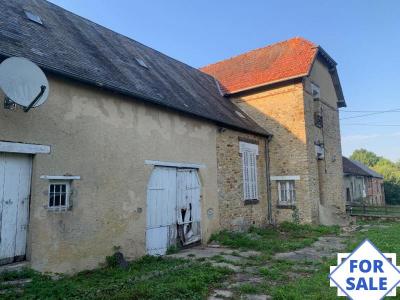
(75, 47)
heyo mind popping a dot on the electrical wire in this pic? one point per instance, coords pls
(371, 124)
(366, 111)
(371, 114)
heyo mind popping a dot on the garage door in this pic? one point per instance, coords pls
(173, 209)
(15, 181)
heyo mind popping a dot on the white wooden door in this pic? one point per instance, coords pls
(188, 205)
(161, 210)
(15, 182)
(173, 209)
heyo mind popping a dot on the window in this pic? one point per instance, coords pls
(286, 192)
(315, 91)
(141, 62)
(249, 164)
(33, 17)
(59, 194)
(319, 151)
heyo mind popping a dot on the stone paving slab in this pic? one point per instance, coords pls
(201, 252)
(324, 247)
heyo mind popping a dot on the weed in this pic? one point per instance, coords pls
(172, 249)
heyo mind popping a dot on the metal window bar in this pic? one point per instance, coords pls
(59, 194)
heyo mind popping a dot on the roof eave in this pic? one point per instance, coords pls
(334, 74)
(265, 84)
(138, 96)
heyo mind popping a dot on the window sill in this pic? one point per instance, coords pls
(251, 201)
(281, 206)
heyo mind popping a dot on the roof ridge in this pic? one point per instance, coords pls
(260, 48)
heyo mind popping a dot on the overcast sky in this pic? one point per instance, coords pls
(362, 36)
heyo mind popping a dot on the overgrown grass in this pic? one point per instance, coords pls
(286, 237)
(317, 285)
(147, 278)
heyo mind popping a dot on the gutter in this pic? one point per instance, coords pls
(268, 179)
(266, 84)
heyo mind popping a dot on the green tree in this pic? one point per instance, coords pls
(391, 174)
(366, 157)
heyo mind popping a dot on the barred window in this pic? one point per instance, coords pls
(59, 193)
(286, 192)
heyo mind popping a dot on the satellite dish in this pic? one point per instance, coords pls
(23, 82)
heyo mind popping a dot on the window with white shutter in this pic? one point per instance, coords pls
(286, 192)
(249, 162)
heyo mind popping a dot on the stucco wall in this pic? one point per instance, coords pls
(281, 111)
(105, 138)
(235, 214)
(357, 187)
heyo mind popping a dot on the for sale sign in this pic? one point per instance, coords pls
(366, 273)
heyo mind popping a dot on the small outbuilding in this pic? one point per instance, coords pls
(362, 184)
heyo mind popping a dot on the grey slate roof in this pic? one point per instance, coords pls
(75, 47)
(354, 167)
(371, 172)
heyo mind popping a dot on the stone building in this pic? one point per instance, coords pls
(292, 89)
(138, 150)
(362, 185)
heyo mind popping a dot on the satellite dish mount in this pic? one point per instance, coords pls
(20, 80)
(42, 90)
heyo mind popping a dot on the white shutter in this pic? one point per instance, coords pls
(250, 189)
(249, 161)
(246, 179)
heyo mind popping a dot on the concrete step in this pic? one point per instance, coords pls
(14, 267)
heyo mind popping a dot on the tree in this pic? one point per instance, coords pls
(366, 157)
(391, 174)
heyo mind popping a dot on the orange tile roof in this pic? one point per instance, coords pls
(288, 59)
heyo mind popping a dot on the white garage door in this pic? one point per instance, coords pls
(173, 209)
(15, 182)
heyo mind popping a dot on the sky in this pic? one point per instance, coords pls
(362, 36)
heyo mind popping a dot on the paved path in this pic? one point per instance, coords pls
(247, 266)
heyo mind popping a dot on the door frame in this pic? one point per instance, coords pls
(31, 150)
(175, 165)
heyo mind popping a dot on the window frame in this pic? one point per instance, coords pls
(67, 194)
(315, 87)
(249, 153)
(290, 186)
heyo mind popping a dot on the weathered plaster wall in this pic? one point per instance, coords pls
(329, 170)
(105, 138)
(281, 111)
(234, 213)
(357, 187)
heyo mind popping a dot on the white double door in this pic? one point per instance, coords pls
(15, 184)
(173, 209)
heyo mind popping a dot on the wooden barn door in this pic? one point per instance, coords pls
(173, 209)
(188, 206)
(161, 210)
(15, 183)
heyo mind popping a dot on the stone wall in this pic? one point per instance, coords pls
(330, 169)
(287, 111)
(235, 214)
(280, 110)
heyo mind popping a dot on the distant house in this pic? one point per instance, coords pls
(361, 184)
(138, 150)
